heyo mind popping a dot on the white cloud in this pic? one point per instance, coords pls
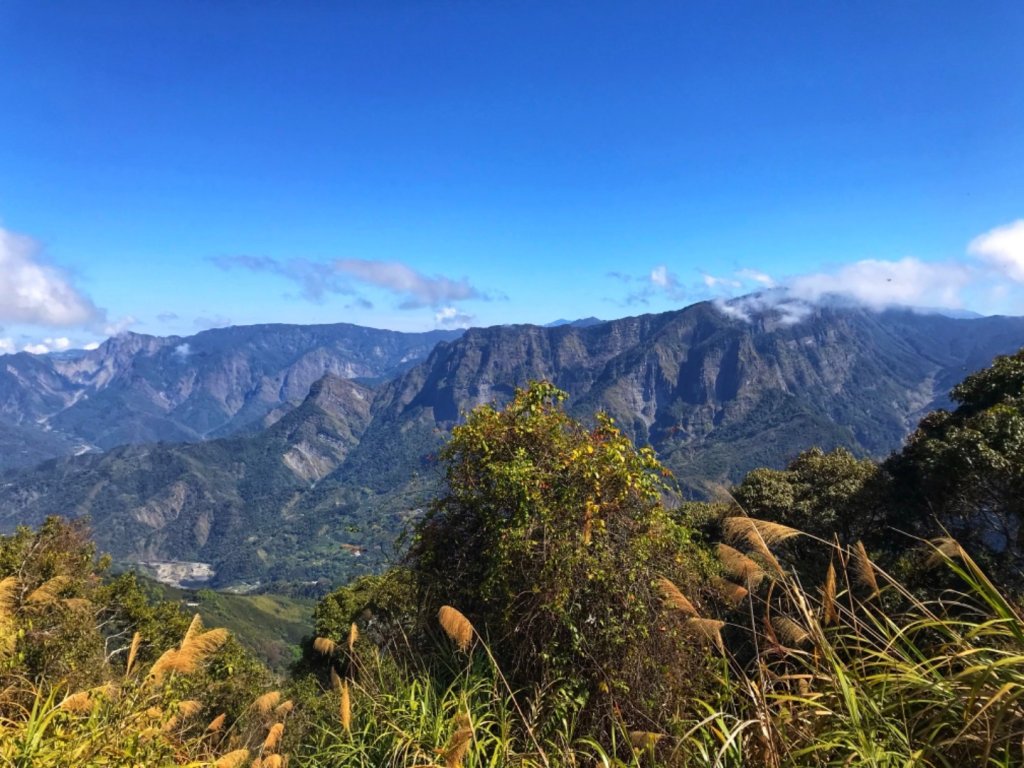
(182, 351)
(450, 317)
(756, 276)
(36, 349)
(58, 344)
(7, 346)
(878, 284)
(37, 293)
(120, 325)
(417, 289)
(746, 307)
(711, 281)
(1002, 249)
(661, 277)
(91, 346)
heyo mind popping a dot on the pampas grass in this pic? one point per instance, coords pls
(674, 598)
(267, 702)
(864, 569)
(325, 646)
(273, 737)
(233, 759)
(456, 626)
(455, 750)
(740, 567)
(345, 707)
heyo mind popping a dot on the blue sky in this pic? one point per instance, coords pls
(170, 166)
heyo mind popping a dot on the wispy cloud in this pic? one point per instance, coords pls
(37, 293)
(315, 279)
(414, 288)
(660, 282)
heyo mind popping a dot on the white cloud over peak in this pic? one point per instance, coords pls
(120, 325)
(1002, 249)
(450, 317)
(7, 346)
(37, 293)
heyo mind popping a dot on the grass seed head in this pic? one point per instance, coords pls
(456, 626)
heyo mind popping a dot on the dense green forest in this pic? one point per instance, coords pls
(560, 604)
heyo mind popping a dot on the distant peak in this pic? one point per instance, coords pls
(581, 323)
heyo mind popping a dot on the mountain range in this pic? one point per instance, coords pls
(138, 389)
(279, 487)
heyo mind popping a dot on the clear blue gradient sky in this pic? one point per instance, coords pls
(169, 166)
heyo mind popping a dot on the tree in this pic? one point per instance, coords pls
(550, 537)
(964, 470)
(823, 494)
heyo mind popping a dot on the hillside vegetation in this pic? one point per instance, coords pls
(555, 608)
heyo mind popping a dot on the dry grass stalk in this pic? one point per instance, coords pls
(233, 759)
(739, 566)
(456, 626)
(353, 636)
(945, 549)
(789, 631)
(273, 737)
(864, 569)
(455, 750)
(644, 739)
(133, 651)
(751, 531)
(194, 628)
(829, 610)
(8, 591)
(335, 680)
(78, 604)
(267, 702)
(345, 708)
(730, 591)
(709, 630)
(674, 598)
(189, 708)
(284, 708)
(217, 723)
(325, 646)
(77, 702)
(46, 592)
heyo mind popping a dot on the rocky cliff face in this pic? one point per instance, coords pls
(697, 379)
